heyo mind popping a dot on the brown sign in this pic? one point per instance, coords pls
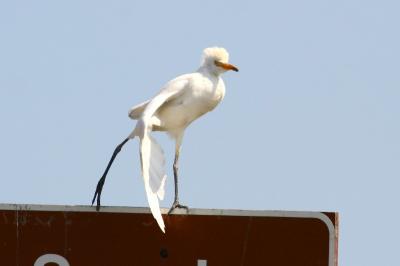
(36, 235)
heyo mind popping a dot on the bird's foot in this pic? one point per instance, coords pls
(175, 205)
(97, 193)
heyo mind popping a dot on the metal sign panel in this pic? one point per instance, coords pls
(72, 235)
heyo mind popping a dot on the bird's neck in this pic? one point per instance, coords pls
(208, 72)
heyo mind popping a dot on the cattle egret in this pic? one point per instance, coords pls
(178, 104)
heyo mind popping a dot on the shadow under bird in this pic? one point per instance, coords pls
(178, 103)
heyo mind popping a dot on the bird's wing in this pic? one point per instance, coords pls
(173, 89)
(152, 160)
(136, 111)
(151, 153)
(157, 173)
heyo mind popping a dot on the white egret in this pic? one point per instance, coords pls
(179, 103)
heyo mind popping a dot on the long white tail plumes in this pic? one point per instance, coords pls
(153, 162)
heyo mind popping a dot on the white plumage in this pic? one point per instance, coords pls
(178, 103)
(152, 161)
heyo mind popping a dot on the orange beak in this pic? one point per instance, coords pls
(226, 66)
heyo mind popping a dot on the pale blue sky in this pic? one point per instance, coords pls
(311, 121)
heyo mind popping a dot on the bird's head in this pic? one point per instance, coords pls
(215, 59)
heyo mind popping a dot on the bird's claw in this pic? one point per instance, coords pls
(97, 194)
(175, 205)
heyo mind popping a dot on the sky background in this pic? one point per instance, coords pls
(311, 121)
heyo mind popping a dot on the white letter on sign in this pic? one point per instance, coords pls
(201, 263)
(47, 258)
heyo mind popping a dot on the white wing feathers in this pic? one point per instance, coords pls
(151, 153)
(136, 111)
(173, 89)
(157, 164)
(152, 159)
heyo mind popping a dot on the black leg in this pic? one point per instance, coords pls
(176, 203)
(100, 184)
